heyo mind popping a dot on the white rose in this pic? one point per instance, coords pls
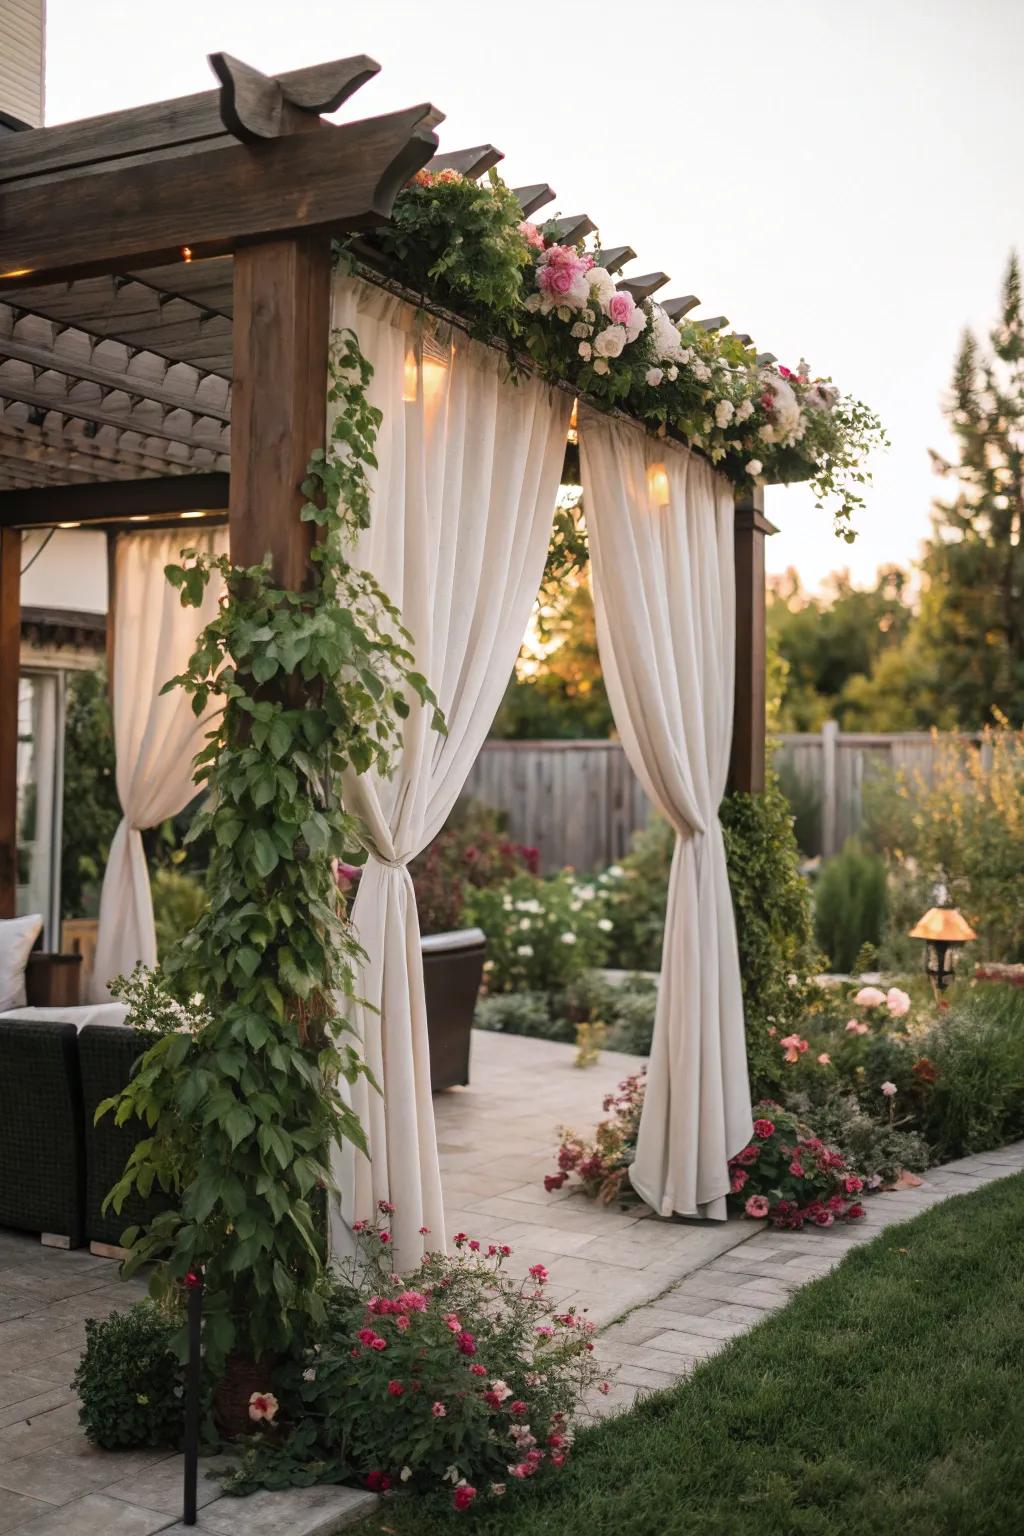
(654, 377)
(580, 329)
(524, 923)
(767, 434)
(672, 374)
(724, 412)
(601, 365)
(701, 372)
(533, 302)
(568, 938)
(605, 924)
(744, 410)
(525, 951)
(754, 467)
(602, 284)
(610, 342)
(585, 351)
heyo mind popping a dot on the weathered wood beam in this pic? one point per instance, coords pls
(212, 201)
(747, 761)
(52, 360)
(533, 197)
(113, 501)
(615, 257)
(677, 308)
(166, 126)
(764, 358)
(643, 287)
(470, 163)
(10, 664)
(254, 106)
(282, 322)
(573, 227)
(714, 323)
(741, 337)
(66, 444)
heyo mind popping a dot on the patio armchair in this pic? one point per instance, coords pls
(42, 1147)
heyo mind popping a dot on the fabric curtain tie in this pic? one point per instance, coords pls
(378, 858)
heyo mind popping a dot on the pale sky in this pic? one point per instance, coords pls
(842, 180)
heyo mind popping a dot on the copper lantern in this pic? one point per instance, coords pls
(943, 930)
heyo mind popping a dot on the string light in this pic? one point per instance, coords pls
(657, 484)
(186, 253)
(410, 381)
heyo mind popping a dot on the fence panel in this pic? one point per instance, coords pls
(580, 803)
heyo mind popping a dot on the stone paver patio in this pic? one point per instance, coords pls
(665, 1294)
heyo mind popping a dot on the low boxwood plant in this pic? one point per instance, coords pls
(129, 1380)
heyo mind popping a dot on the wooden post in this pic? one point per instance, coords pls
(10, 665)
(747, 764)
(282, 292)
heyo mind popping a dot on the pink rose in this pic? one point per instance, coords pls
(739, 1178)
(869, 997)
(898, 1001)
(532, 235)
(620, 308)
(855, 1027)
(756, 1206)
(764, 1129)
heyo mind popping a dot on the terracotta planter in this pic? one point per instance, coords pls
(453, 967)
(242, 1377)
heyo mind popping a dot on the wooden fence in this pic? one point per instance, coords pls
(579, 802)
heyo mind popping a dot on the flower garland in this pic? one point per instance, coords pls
(464, 245)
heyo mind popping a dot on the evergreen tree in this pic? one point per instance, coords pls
(972, 607)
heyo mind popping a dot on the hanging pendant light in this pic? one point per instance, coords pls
(657, 484)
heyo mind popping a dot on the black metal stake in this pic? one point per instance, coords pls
(193, 1374)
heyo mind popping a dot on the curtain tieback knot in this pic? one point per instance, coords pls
(379, 858)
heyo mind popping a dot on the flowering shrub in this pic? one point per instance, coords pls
(790, 1176)
(540, 933)
(465, 245)
(457, 1381)
(471, 853)
(602, 1166)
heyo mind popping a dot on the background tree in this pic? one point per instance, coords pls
(972, 606)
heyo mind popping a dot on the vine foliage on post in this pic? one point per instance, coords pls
(245, 1100)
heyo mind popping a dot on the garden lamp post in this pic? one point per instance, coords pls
(943, 930)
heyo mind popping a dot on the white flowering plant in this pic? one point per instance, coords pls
(458, 1382)
(541, 934)
(464, 245)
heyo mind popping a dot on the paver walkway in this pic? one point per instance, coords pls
(680, 1290)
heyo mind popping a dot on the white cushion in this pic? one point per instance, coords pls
(17, 936)
(87, 1013)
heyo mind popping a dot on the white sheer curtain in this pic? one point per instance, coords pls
(664, 593)
(462, 510)
(155, 736)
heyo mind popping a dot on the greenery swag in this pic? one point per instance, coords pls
(244, 1098)
(463, 246)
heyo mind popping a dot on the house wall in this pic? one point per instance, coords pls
(22, 55)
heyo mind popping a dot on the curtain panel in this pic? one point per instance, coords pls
(660, 522)
(155, 736)
(463, 500)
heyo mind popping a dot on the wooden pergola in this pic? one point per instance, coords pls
(165, 280)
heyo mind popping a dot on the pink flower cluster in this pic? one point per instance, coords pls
(800, 1179)
(562, 277)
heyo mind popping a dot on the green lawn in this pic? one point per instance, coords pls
(887, 1397)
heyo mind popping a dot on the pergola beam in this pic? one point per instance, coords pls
(113, 500)
(533, 197)
(643, 287)
(677, 308)
(96, 411)
(471, 163)
(615, 257)
(212, 201)
(70, 366)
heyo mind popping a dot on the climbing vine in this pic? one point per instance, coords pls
(246, 1099)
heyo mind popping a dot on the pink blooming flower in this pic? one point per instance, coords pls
(889, 1089)
(764, 1129)
(824, 1059)
(402, 1323)
(823, 1218)
(385, 1207)
(366, 1335)
(532, 235)
(263, 1405)
(869, 997)
(439, 1410)
(377, 1481)
(852, 1185)
(505, 1251)
(518, 1408)
(413, 1301)
(466, 1344)
(605, 1387)
(620, 308)
(553, 1181)
(501, 1390)
(478, 1370)
(748, 1156)
(452, 1321)
(395, 1389)
(459, 1239)
(463, 1496)
(379, 1344)
(793, 1046)
(385, 1237)
(424, 1231)
(360, 1226)
(474, 1246)
(538, 1273)
(545, 1330)
(898, 1002)
(855, 1027)
(739, 1178)
(756, 1206)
